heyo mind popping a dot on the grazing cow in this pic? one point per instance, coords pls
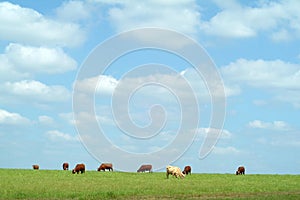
(105, 166)
(79, 168)
(144, 168)
(187, 170)
(175, 171)
(241, 170)
(65, 166)
(35, 167)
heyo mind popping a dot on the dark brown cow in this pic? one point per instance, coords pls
(187, 170)
(65, 166)
(144, 168)
(240, 171)
(105, 166)
(35, 167)
(79, 168)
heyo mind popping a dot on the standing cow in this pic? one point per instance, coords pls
(36, 167)
(144, 168)
(175, 171)
(65, 166)
(240, 171)
(105, 166)
(187, 170)
(79, 168)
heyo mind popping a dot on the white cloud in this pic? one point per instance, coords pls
(73, 11)
(281, 35)
(275, 125)
(262, 73)
(9, 118)
(56, 135)
(239, 21)
(144, 95)
(104, 120)
(202, 132)
(225, 150)
(6, 67)
(29, 59)
(200, 85)
(276, 76)
(290, 96)
(36, 91)
(99, 84)
(182, 16)
(232, 90)
(107, 84)
(67, 117)
(43, 119)
(22, 62)
(26, 25)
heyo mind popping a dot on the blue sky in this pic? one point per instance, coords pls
(254, 46)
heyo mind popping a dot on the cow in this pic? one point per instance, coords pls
(79, 168)
(187, 170)
(65, 166)
(240, 171)
(36, 167)
(105, 166)
(144, 168)
(175, 171)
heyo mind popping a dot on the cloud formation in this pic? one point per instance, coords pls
(73, 11)
(34, 60)
(277, 18)
(277, 77)
(33, 28)
(35, 91)
(225, 150)
(182, 16)
(10, 118)
(275, 125)
(56, 135)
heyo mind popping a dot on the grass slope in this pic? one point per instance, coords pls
(58, 184)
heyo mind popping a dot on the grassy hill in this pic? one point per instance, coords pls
(58, 184)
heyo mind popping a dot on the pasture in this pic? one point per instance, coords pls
(59, 184)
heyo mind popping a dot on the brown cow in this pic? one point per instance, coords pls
(144, 168)
(79, 168)
(105, 166)
(187, 170)
(65, 166)
(241, 170)
(35, 167)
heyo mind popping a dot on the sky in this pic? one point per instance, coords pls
(112, 81)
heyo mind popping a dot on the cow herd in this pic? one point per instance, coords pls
(173, 170)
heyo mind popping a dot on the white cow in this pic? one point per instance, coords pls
(175, 171)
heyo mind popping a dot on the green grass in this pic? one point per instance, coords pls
(58, 184)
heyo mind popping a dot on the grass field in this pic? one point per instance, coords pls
(58, 184)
